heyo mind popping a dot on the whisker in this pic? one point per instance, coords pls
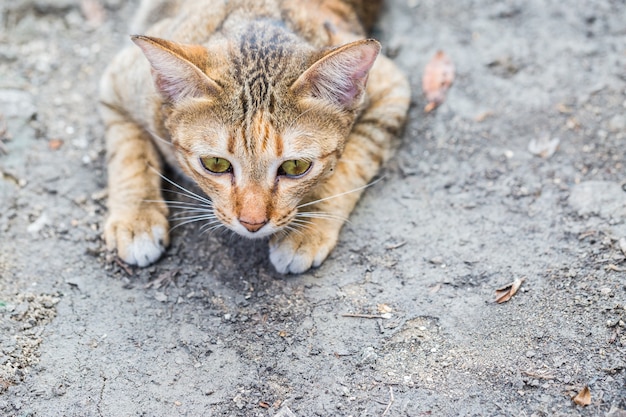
(207, 216)
(211, 229)
(186, 222)
(191, 212)
(214, 222)
(301, 222)
(203, 200)
(190, 194)
(292, 229)
(191, 209)
(186, 207)
(321, 215)
(340, 194)
(159, 138)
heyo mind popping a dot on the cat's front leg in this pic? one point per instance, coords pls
(368, 146)
(136, 225)
(315, 230)
(300, 249)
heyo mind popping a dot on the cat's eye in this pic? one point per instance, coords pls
(216, 165)
(294, 167)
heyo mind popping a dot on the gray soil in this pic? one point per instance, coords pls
(463, 209)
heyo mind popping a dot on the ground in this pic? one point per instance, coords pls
(401, 319)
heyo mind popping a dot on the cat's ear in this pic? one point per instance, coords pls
(176, 68)
(340, 75)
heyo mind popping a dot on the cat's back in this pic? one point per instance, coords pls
(196, 21)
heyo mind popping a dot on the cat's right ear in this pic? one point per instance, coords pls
(176, 68)
(340, 76)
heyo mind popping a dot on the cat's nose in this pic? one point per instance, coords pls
(251, 225)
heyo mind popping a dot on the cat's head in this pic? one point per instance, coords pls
(259, 129)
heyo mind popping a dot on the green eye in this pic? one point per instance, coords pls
(294, 167)
(216, 165)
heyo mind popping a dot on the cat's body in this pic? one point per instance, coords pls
(264, 105)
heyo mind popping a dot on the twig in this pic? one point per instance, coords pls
(396, 246)
(124, 266)
(363, 316)
(381, 327)
(390, 402)
(538, 375)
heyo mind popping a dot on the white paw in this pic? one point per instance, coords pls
(139, 240)
(297, 254)
(145, 248)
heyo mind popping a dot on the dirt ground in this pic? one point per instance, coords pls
(463, 209)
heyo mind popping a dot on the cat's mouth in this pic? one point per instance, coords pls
(251, 230)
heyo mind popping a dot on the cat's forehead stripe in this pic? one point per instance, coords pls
(259, 63)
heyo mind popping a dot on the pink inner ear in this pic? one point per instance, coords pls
(340, 76)
(175, 77)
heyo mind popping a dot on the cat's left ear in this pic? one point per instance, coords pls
(176, 68)
(340, 76)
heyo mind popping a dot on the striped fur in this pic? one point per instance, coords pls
(256, 83)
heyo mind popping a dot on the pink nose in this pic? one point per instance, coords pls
(252, 227)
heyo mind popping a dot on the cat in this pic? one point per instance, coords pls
(282, 111)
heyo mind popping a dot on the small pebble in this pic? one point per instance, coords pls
(368, 356)
(159, 296)
(437, 260)
(605, 291)
(617, 123)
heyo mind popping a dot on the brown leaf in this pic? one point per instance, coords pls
(482, 116)
(564, 108)
(55, 144)
(583, 398)
(505, 293)
(437, 79)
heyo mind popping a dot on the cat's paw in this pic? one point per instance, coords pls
(297, 252)
(140, 238)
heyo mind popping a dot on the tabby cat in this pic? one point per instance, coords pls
(265, 104)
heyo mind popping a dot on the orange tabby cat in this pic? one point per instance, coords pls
(266, 105)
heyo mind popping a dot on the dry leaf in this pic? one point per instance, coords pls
(384, 308)
(505, 293)
(544, 148)
(437, 79)
(435, 288)
(482, 116)
(55, 144)
(583, 398)
(564, 108)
